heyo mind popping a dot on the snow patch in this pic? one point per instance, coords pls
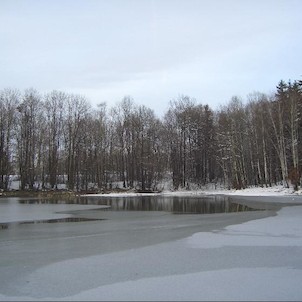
(285, 229)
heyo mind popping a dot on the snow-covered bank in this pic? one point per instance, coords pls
(258, 191)
(252, 191)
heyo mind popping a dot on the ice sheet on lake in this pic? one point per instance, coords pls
(282, 230)
(276, 281)
(16, 212)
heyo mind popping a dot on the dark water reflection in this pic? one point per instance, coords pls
(172, 204)
(175, 205)
(7, 225)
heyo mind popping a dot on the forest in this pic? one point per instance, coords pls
(59, 138)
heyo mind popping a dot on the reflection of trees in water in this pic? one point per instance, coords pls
(207, 206)
(82, 201)
(198, 205)
(204, 205)
(144, 203)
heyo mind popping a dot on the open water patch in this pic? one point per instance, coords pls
(172, 204)
(78, 207)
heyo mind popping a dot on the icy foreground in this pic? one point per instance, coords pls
(256, 260)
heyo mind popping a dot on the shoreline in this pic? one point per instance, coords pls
(248, 192)
(277, 190)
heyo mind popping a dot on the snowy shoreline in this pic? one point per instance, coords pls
(253, 191)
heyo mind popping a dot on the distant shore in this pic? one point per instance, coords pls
(29, 193)
(66, 193)
(277, 190)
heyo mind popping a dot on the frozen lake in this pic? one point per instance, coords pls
(36, 234)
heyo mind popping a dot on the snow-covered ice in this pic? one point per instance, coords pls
(221, 285)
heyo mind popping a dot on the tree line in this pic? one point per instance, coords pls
(58, 138)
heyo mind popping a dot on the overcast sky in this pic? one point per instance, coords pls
(153, 51)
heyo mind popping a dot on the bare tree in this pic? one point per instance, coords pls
(74, 132)
(54, 106)
(30, 132)
(9, 101)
